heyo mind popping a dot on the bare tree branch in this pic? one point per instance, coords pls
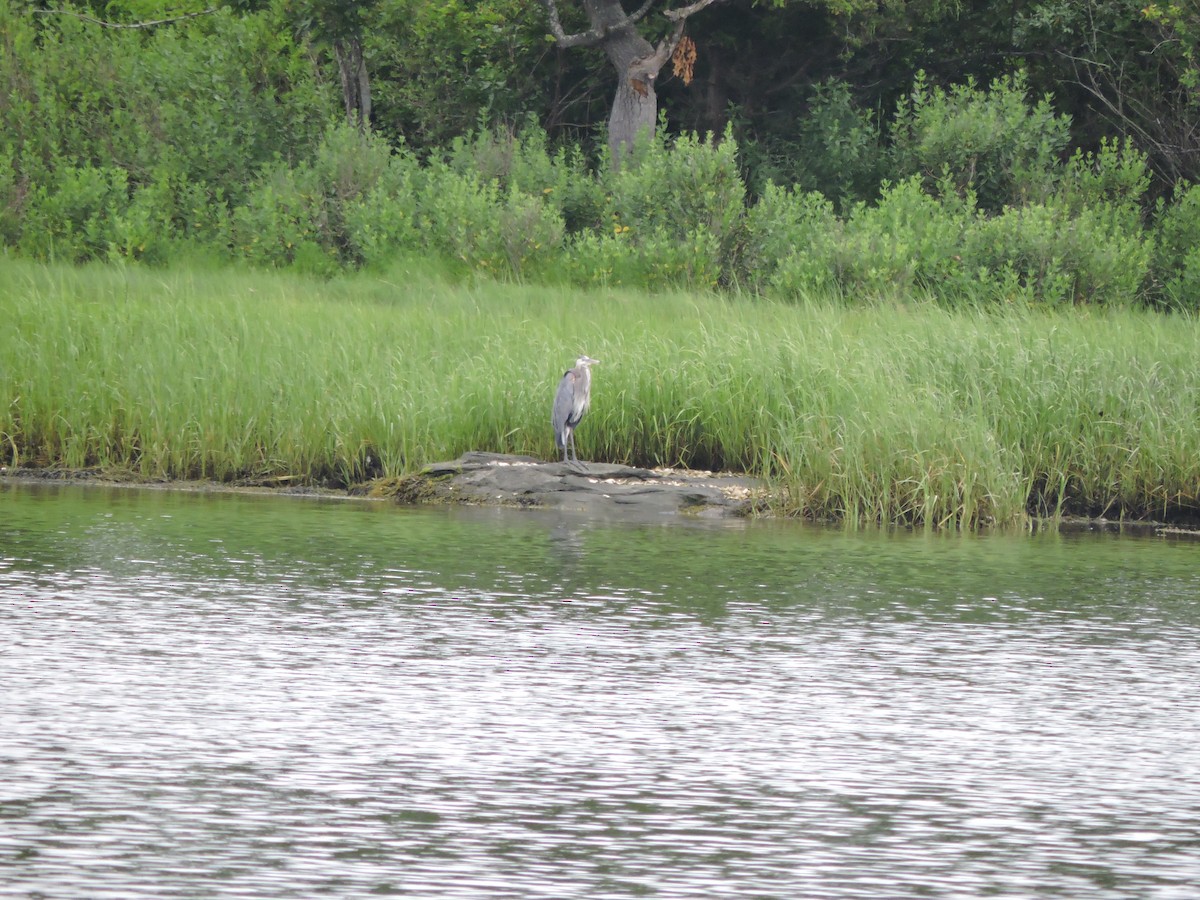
(636, 15)
(104, 24)
(592, 36)
(678, 15)
(1172, 140)
(635, 58)
(649, 66)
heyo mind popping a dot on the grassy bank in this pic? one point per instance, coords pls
(875, 413)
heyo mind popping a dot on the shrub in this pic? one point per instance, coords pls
(994, 143)
(166, 215)
(691, 183)
(522, 160)
(652, 259)
(786, 229)
(1042, 253)
(285, 221)
(349, 163)
(216, 96)
(908, 239)
(1116, 174)
(299, 214)
(840, 148)
(12, 196)
(1176, 265)
(468, 219)
(347, 166)
(383, 221)
(672, 215)
(72, 218)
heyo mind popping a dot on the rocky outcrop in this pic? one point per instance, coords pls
(505, 480)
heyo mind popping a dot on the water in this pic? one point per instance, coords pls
(234, 696)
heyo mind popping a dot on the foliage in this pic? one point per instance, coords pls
(469, 219)
(991, 143)
(1124, 69)
(785, 229)
(382, 222)
(212, 138)
(1176, 264)
(215, 98)
(914, 242)
(1116, 173)
(523, 160)
(653, 259)
(123, 120)
(73, 217)
(441, 69)
(671, 215)
(353, 202)
(840, 149)
(286, 220)
(1041, 253)
(1181, 24)
(909, 239)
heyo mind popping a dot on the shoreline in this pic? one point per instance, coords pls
(407, 491)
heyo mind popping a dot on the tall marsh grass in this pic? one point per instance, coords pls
(887, 413)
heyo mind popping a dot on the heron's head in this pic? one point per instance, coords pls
(586, 361)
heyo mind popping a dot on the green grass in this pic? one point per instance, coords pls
(877, 413)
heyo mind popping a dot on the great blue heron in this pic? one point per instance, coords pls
(570, 403)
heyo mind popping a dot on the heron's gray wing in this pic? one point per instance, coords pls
(581, 395)
(564, 402)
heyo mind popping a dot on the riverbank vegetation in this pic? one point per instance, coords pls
(884, 412)
(227, 136)
(912, 262)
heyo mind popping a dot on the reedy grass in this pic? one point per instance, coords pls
(889, 412)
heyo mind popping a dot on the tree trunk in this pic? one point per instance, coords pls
(635, 105)
(634, 114)
(637, 61)
(356, 86)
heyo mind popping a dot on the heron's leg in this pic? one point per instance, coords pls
(575, 464)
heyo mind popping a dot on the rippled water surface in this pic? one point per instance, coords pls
(237, 696)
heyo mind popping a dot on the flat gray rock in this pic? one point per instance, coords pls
(506, 480)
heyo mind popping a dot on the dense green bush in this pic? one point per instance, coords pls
(523, 160)
(840, 151)
(787, 234)
(671, 215)
(992, 143)
(908, 240)
(345, 205)
(675, 187)
(285, 220)
(72, 217)
(382, 222)
(1041, 253)
(653, 259)
(137, 142)
(913, 242)
(472, 220)
(1115, 174)
(12, 192)
(1176, 264)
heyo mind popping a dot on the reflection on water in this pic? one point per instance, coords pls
(216, 695)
